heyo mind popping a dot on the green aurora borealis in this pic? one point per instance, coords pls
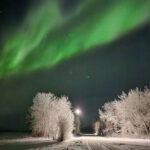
(46, 36)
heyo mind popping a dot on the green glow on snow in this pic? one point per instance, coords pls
(46, 36)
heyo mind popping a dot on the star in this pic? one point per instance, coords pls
(88, 76)
(70, 72)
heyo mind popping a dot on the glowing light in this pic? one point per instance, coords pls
(77, 111)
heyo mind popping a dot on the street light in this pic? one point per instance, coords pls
(77, 111)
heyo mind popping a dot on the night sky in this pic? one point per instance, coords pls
(91, 66)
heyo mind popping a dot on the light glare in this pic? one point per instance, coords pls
(77, 111)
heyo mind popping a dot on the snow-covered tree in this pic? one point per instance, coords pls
(111, 118)
(77, 125)
(65, 118)
(96, 127)
(129, 115)
(51, 116)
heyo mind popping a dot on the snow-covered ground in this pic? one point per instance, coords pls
(86, 142)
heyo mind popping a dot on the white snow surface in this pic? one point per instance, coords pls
(85, 142)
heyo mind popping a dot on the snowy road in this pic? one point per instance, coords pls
(77, 143)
